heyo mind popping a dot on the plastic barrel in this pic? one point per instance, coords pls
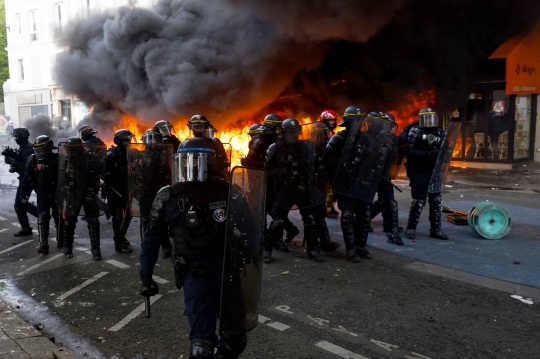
(489, 220)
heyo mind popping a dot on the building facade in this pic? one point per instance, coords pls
(35, 28)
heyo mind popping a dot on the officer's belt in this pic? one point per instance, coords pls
(204, 269)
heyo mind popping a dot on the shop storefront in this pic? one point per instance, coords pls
(500, 118)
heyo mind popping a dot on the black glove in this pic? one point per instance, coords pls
(10, 161)
(149, 287)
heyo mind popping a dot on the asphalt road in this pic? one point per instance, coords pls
(401, 304)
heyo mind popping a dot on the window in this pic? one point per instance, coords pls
(57, 13)
(522, 130)
(32, 20)
(18, 23)
(21, 70)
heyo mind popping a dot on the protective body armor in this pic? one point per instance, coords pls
(43, 175)
(257, 150)
(334, 150)
(200, 227)
(22, 157)
(422, 139)
(116, 172)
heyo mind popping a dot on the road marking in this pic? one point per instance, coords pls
(82, 249)
(41, 263)
(159, 280)
(279, 326)
(3, 219)
(18, 245)
(16, 224)
(263, 319)
(79, 287)
(3, 230)
(339, 351)
(518, 297)
(117, 264)
(384, 345)
(133, 314)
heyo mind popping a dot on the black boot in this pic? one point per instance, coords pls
(361, 233)
(23, 232)
(291, 229)
(69, 233)
(201, 349)
(347, 227)
(273, 235)
(231, 348)
(390, 216)
(60, 242)
(121, 245)
(43, 229)
(310, 237)
(414, 216)
(435, 216)
(95, 237)
(23, 221)
(326, 244)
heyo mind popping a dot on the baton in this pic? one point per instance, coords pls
(115, 191)
(147, 307)
(387, 180)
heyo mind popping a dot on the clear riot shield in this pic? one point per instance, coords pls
(80, 169)
(440, 171)
(365, 155)
(149, 170)
(300, 156)
(242, 264)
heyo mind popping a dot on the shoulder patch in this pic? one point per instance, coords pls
(220, 215)
(219, 204)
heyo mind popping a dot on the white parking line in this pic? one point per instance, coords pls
(40, 264)
(18, 245)
(16, 224)
(82, 249)
(79, 287)
(117, 264)
(3, 219)
(3, 230)
(339, 351)
(133, 314)
(159, 280)
(279, 326)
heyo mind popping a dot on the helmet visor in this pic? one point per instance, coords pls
(190, 167)
(151, 138)
(166, 130)
(42, 152)
(428, 120)
(209, 132)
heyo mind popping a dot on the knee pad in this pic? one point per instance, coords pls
(309, 220)
(44, 217)
(347, 216)
(201, 349)
(435, 198)
(92, 221)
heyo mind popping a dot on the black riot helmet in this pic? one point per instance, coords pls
(165, 128)
(151, 136)
(427, 117)
(43, 146)
(21, 135)
(255, 129)
(86, 132)
(197, 124)
(273, 122)
(349, 115)
(74, 145)
(290, 130)
(122, 137)
(375, 122)
(195, 160)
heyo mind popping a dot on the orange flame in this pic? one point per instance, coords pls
(407, 112)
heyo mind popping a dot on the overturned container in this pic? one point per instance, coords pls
(489, 220)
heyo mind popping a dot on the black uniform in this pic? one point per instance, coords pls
(42, 176)
(116, 190)
(198, 253)
(355, 214)
(22, 206)
(421, 150)
(173, 140)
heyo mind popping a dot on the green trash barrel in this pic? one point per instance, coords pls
(489, 220)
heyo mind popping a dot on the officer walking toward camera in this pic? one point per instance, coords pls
(193, 209)
(17, 161)
(42, 175)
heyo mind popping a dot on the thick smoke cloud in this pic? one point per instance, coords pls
(225, 59)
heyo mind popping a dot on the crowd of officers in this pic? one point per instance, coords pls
(190, 208)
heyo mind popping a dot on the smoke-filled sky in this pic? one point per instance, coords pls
(236, 60)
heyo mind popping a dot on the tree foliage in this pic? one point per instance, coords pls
(4, 66)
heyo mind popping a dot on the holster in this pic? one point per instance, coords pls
(180, 271)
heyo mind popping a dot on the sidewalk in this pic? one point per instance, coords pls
(19, 339)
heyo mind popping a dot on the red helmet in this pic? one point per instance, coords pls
(329, 117)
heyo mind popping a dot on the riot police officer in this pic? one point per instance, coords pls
(166, 129)
(42, 175)
(17, 161)
(289, 166)
(116, 188)
(422, 140)
(88, 135)
(201, 127)
(193, 209)
(355, 214)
